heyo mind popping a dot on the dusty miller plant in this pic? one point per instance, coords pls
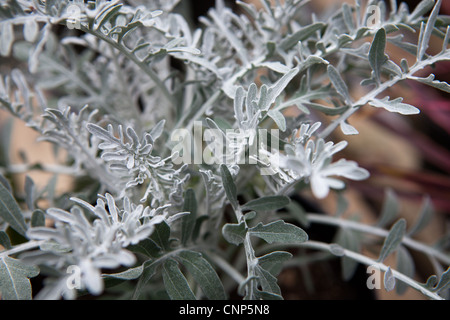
(122, 85)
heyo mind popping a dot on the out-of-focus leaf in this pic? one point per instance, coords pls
(393, 239)
(390, 208)
(267, 203)
(395, 105)
(10, 211)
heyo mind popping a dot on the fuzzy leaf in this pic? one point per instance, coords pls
(405, 265)
(273, 262)
(234, 233)
(425, 215)
(229, 186)
(441, 85)
(14, 279)
(279, 119)
(300, 35)
(338, 83)
(267, 203)
(377, 57)
(279, 231)
(175, 283)
(389, 280)
(188, 221)
(389, 210)
(394, 239)
(10, 211)
(395, 105)
(348, 129)
(425, 34)
(204, 274)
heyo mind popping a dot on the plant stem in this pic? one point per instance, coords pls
(407, 241)
(373, 94)
(21, 247)
(370, 262)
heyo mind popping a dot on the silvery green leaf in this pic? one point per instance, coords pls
(30, 30)
(444, 281)
(273, 261)
(161, 235)
(279, 231)
(425, 34)
(349, 240)
(348, 129)
(234, 233)
(441, 85)
(203, 273)
(425, 215)
(338, 83)
(278, 87)
(175, 283)
(6, 38)
(393, 68)
(377, 57)
(267, 203)
(188, 221)
(29, 192)
(38, 218)
(298, 213)
(146, 247)
(148, 271)
(393, 239)
(275, 66)
(405, 265)
(300, 35)
(389, 280)
(129, 274)
(279, 119)
(348, 17)
(238, 103)
(14, 279)
(421, 9)
(229, 186)
(4, 240)
(267, 281)
(10, 211)
(337, 250)
(158, 129)
(395, 105)
(389, 209)
(106, 13)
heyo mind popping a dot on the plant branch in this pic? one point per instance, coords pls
(407, 241)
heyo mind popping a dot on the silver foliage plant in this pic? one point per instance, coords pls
(111, 82)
